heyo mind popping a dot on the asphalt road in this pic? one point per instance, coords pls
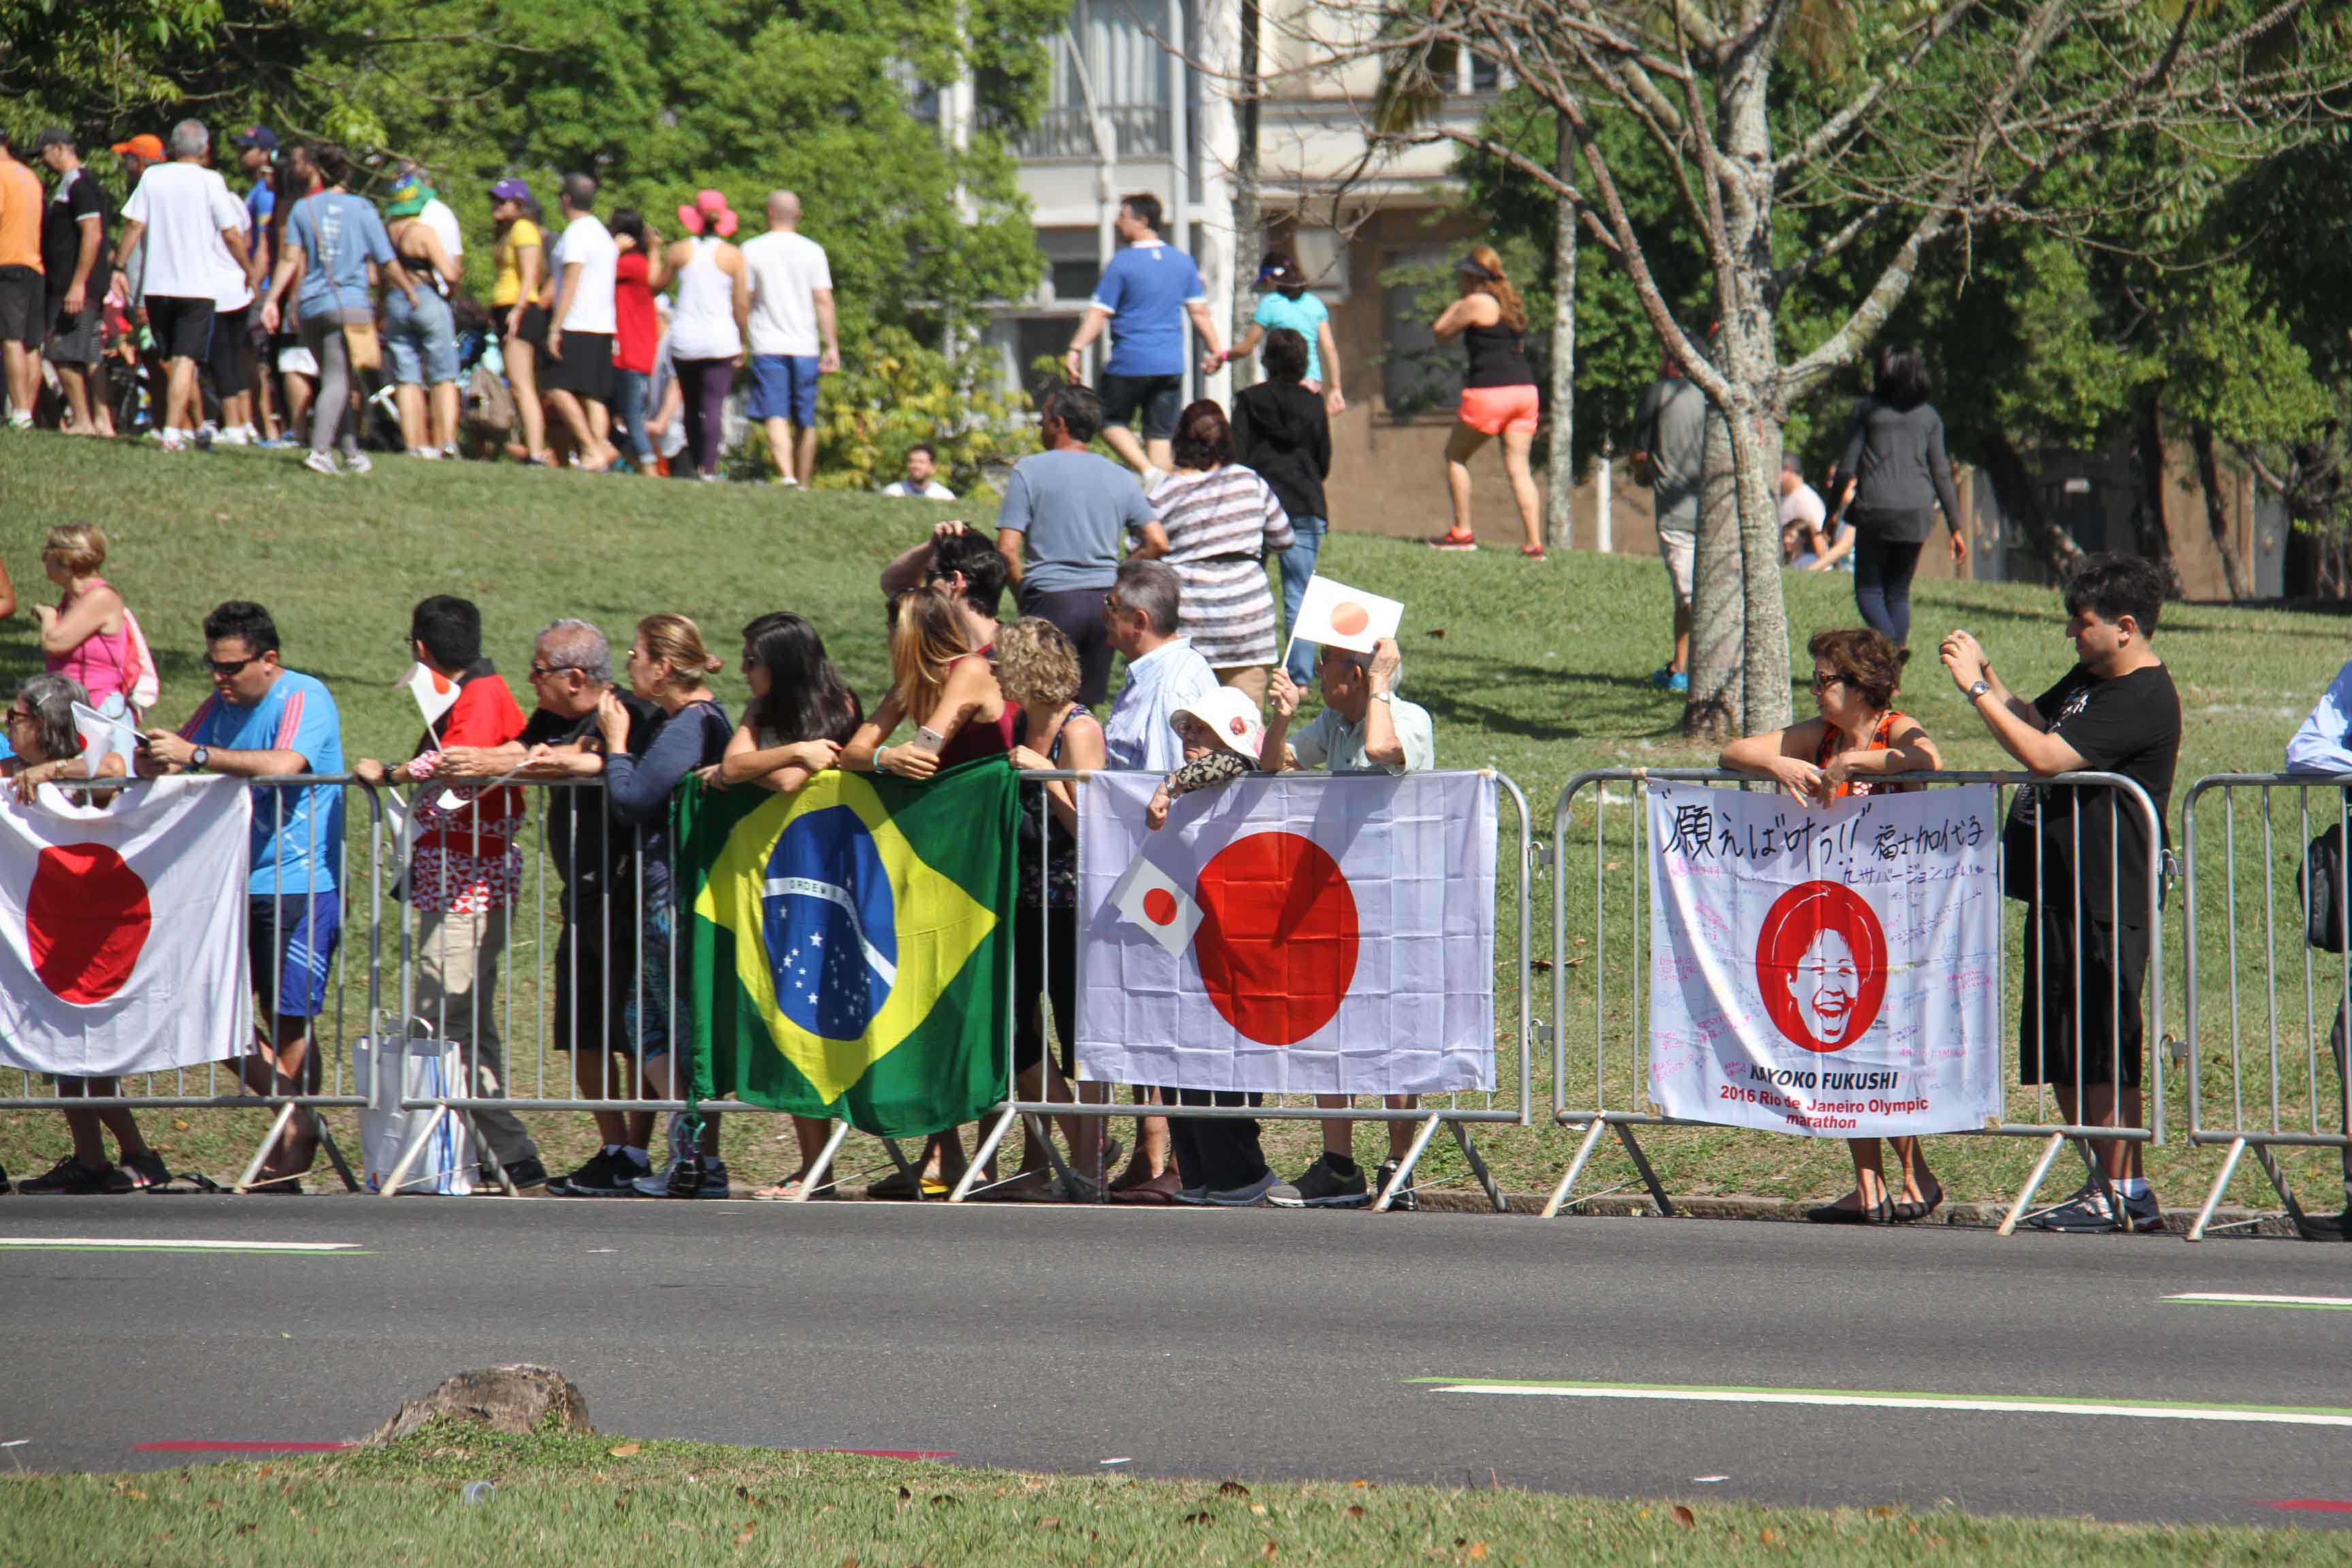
(1258, 1345)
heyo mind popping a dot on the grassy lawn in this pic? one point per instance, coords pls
(1540, 670)
(597, 1499)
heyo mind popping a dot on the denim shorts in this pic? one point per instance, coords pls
(420, 339)
(783, 386)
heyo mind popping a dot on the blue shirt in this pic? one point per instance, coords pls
(339, 234)
(260, 203)
(2320, 745)
(1146, 288)
(298, 832)
(1137, 736)
(1305, 316)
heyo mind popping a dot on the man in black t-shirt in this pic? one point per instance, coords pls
(595, 975)
(2080, 859)
(73, 242)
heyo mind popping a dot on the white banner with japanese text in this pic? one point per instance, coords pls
(1832, 973)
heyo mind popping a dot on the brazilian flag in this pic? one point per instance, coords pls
(848, 945)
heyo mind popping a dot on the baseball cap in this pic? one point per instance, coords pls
(55, 136)
(142, 145)
(259, 136)
(709, 213)
(1231, 717)
(510, 190)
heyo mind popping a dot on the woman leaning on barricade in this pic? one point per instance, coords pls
(48, 748)
(801, 713)
(1858, 740)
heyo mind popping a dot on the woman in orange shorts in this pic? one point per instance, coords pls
(1499, 394)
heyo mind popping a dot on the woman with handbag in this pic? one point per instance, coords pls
(420, 332)
(334, 240)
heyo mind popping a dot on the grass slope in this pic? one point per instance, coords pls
(595, 1500)
(1540, 670)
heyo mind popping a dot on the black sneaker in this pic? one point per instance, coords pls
(2143, 1214)
(688, 1176)
(68, 1177)
(606, 1175)
(140, 1173)
(1404, 1198)
(524, 1173)
(1319, 1186)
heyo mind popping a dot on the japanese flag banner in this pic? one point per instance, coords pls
(1829, 973)
(123, 929)
(1291, 935)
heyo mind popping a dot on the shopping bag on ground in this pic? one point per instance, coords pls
(390, 1072)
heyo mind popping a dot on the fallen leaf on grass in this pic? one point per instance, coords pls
(948, 1498)
(1437, 634)
(1683, 1517)
(1355, 1511)
(745, 1538)
(626, 1449)
(1203, 1516)
(1767, 1537)
(1049, 1524)
(1267, 1549)
(906, 1495)
(1233, 1489)
(1477, 1553)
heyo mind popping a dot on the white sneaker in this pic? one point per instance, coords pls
(235, 435)
(430, 453)
(357, 463)
(788, 482)
(20, 419)
(174, 441)
(322, 463)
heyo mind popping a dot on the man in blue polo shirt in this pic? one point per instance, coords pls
(1143, 297)
(265, 720)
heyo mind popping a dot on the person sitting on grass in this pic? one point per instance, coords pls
(1222, 736)
(48, 748)
(1364, 727)
(802, 713)
(1858, 739)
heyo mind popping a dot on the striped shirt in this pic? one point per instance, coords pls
(1220, 526)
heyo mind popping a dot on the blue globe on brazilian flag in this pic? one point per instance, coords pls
(848, 947)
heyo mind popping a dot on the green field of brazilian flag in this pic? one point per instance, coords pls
(848, 945)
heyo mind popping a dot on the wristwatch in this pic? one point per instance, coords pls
(1388, 697)
(1979, 690)
(200, 759)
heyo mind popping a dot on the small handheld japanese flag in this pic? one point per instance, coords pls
(100, 735)
(436, 694)
(1339, 616)
(1148, 897)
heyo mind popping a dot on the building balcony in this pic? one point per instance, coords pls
(1064, 132)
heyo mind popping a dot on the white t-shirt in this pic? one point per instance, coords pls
(932, 490)
(588, 242)
(184, 208)
(436, 215)
(786, 270)
(1805, 506)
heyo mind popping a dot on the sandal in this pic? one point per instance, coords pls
(1910, 1213)
(1163, 1190)
(788, 1191)
(1883, 1213)
(1534, 552)
(1454, 540)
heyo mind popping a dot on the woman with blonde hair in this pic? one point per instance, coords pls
(669, 667)
(1857, 740)
(89, 636)
(1499, 401)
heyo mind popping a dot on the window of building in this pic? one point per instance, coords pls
(1421, 375)
(1129, 72)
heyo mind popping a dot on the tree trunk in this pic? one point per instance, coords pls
(2012, 486)
(1718, 600)
(1249, 220)
(1764, 647)
(1559, 532)
(2217, 513)
(2150, 521)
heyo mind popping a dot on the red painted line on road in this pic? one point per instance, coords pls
(186, 1445)
(2309, 1504)
(893, 1453)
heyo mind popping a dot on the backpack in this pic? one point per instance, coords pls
(142, 688)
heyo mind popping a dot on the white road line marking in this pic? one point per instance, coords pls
(2233, 1299)
(174, 1244)
(2280, 1417)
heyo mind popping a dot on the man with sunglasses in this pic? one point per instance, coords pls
(264, 720)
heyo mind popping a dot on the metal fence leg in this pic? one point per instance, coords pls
(1404, 1167)
(276, 1128)
(2214, 1199)
(1478, 1167)
(981, 1156)
(408, 1156)
(335, 1153)
(1592, 1136)
(2056, 1142)
(815, 1174)
(498, 1169)
(913, 1174)
(2270, 1164)
(1649, 1177)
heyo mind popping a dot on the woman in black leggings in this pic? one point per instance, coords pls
(1889, 482)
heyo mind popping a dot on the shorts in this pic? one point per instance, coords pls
(294, 358)
(2105, 1035)
(78, 340)
(227, 361)
(1079, 612)
(1161, 397)
(783, 386)
(595, 984)
(420, 339)
(1492, 410)
(182, 329)
(585, 369)
(23, 306)
(1676, 550)
(299, 958)
(532, 328)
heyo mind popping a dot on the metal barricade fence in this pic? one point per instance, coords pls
(2275, 1096)
(1602, 1090)
(293, 1074)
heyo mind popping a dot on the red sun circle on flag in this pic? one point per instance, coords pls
(1277, 942)
(1349, 618)
(1821, 965)
(86, 919)
(1159, 906)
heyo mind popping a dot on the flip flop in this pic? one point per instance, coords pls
(1161, 1191)
(1911, 1214)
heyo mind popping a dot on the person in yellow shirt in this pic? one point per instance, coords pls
(520, 317)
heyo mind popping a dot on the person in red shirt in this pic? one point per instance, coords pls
(464, 868)
(636, 334)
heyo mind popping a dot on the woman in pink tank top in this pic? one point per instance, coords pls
(87, 637)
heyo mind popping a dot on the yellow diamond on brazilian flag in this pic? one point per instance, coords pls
(848, 948)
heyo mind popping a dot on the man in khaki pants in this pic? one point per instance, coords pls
(466, 869)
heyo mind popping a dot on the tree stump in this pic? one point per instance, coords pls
(516, 1399)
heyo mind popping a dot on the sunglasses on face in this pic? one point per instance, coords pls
(1818, 685)
(225, 667)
